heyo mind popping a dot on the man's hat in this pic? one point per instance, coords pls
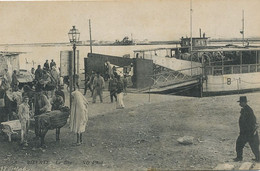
(242, 99)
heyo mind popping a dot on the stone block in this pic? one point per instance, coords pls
(257, 166)
(246, 166)
(224, 166)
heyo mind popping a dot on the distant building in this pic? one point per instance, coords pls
(10, 61)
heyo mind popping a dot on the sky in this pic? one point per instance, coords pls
(158, 20)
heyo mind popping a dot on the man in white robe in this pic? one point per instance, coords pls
(78, 115)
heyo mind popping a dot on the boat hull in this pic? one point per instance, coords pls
(231, 83)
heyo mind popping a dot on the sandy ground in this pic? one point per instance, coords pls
(142, 136)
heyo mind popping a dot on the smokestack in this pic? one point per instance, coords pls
(200, 32)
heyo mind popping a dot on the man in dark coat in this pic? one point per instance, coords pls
(88, 83)
(112, 87)
(46, 65)
(52, 64)
(38, 73)
(248, 131)
(98, 86)
(15, 82)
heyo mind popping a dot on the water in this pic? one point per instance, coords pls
(39, 55)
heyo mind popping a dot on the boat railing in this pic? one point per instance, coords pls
(195, 70)
(232, 69)
(173, 77)
(150, 53)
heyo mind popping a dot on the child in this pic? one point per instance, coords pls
(24, 117)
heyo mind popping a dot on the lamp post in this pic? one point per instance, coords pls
(74, 39)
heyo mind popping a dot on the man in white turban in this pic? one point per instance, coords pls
(78, 115)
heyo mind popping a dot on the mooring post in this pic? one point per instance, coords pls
(149, 94)
(201, 86)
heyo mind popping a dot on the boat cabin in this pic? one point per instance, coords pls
(226, 60)
(196, 41)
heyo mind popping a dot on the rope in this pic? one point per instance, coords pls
(218, 83)
(234, 81)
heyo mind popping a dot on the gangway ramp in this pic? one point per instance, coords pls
(181, 85)
(172, 80)
(172, 63)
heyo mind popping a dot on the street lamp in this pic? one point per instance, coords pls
(74, 39)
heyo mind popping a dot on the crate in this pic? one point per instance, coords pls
(11, 127)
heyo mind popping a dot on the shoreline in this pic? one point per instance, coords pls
(174, 42)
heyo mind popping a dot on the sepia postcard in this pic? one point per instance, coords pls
(129, 85)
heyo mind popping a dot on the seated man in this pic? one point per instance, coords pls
(42, 105)
(57, 101)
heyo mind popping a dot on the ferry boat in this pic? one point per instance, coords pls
(213, 70)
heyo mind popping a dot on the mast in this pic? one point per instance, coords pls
(243, 28)
(191, 36)
(90, 36)
(190, 25)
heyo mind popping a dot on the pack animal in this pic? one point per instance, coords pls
(52, 120)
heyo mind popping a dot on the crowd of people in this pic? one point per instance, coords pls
(25, 102)
(116, 87)
(46, 95)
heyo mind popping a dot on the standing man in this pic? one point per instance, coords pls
(248, 131)
(55, 77)
(87, 84)
(91, 82)
(98, 86)
(15, 82)
(119, 93)
(7, 77)
(78, 115)
(46, 65)
(109, 70)
(112, 85)
(38, 73)
(52, 64)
